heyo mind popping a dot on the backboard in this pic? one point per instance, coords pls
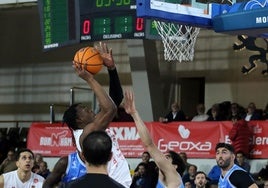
(186, 12)
(234, 17)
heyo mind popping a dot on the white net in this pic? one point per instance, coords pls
(179, 40)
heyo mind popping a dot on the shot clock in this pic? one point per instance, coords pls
(68, 22)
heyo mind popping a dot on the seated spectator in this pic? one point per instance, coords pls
(176, 114)
(241, 135)
(151, 167)
(38, 158)
(236, 112)
(141, 178)
(263, 173)
(265, 183)
(190, 175)
(188, 184)
(214, 175)
(43, 169)
(184, 157)
(252, 113)
(4, 146)
(201, 115)
(265, 113)
(241, 161)
(200, 179)
(214, 113)
(9, 164)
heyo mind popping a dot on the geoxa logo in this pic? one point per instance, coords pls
(184, 145)
(125, 133)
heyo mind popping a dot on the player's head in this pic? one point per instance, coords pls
(96, 148)
(224, 155)
(177, 161)
(77, 116)
(25, 159)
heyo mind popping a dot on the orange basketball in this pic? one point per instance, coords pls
(90, 57)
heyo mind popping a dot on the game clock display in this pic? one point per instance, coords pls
(68, 22)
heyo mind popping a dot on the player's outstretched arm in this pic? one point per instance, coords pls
(107, 106)
(168, 170)
(115, 88)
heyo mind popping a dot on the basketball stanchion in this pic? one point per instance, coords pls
(178, 40)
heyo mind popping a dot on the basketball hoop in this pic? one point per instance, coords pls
(179, 40)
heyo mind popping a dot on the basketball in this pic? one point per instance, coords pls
(90, 57)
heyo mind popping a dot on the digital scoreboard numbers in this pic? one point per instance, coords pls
(58, 23)
(110, 19)
(67, 22)
(115, 26)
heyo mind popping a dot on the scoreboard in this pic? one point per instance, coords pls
(67, 22)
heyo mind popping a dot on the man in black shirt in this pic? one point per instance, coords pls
(97, 151)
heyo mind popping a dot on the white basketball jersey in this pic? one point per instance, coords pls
(11, 180)
(118, 168)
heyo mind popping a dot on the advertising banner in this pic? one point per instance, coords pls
(197, 139)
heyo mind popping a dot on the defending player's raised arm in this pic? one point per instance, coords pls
(115, 88)
(107, 107)
(57, 173)
(165, 166)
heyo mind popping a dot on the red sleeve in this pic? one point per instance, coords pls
(233, 132)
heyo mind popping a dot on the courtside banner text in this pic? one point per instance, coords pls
(197, 139)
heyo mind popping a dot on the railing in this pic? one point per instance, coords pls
(72, 101)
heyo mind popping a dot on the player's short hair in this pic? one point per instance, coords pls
(97, 148)
(177, 160)
(225, 145)
(23, 150)
(70, 116)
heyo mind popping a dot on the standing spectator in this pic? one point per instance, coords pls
(97, 151)
(43, 169)
(241, 136)
(176, 114)
(190, 175)
(23, 176)
(231, 174)
(252, 113)
(201, 115)
(241, 161)
(9, 164)
(200, 179)
(141, 178)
